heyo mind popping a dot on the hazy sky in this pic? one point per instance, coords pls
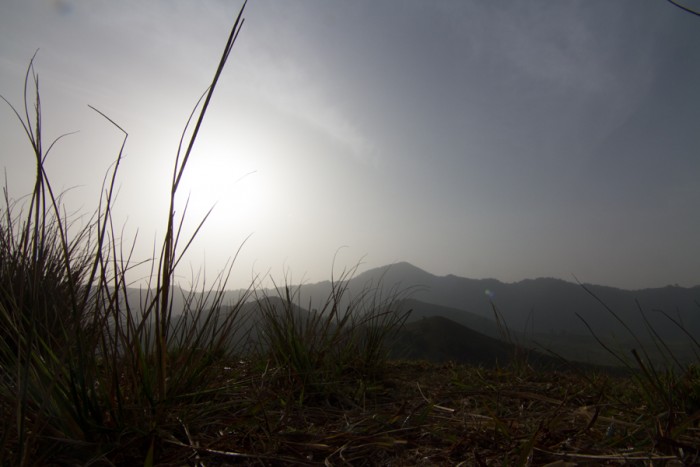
(504, 139)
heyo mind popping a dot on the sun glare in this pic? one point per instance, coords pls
(229, 180)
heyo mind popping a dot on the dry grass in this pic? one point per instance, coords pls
(437, 414)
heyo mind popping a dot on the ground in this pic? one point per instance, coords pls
(420, 413)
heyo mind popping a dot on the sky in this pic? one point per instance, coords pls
(486, 139)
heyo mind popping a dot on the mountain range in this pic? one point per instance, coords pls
(554, 316)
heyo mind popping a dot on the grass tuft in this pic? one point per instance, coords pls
(84, 371)
(335, 350)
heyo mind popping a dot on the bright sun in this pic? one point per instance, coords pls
(230, 181)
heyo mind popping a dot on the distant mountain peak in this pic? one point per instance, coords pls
(400, 265)
(402, 272)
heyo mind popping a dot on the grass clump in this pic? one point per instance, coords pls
(87, 374)
(666, 393)
(336, 349)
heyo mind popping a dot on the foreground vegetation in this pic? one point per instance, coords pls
(90, 376)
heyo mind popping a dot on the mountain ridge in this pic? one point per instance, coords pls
(550, 311)
(545, 312)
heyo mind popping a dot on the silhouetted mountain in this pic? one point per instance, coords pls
(543, 311)
(439, 339)
(542, 306)
(403, 273)
(420, 310)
